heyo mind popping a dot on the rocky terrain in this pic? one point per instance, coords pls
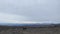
(29, 30)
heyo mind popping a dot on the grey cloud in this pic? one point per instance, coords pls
(35, 10)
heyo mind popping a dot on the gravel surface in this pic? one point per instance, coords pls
(29, 30)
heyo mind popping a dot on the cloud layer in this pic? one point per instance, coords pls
(29, 10)
(11, 18)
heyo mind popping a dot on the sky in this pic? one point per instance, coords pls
(30, 11)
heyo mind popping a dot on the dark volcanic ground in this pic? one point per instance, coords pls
(29, 30)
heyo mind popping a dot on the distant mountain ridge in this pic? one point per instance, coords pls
(29, 25)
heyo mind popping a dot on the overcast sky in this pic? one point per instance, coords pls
(32, 11)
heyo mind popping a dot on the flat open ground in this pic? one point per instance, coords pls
(29, 30)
